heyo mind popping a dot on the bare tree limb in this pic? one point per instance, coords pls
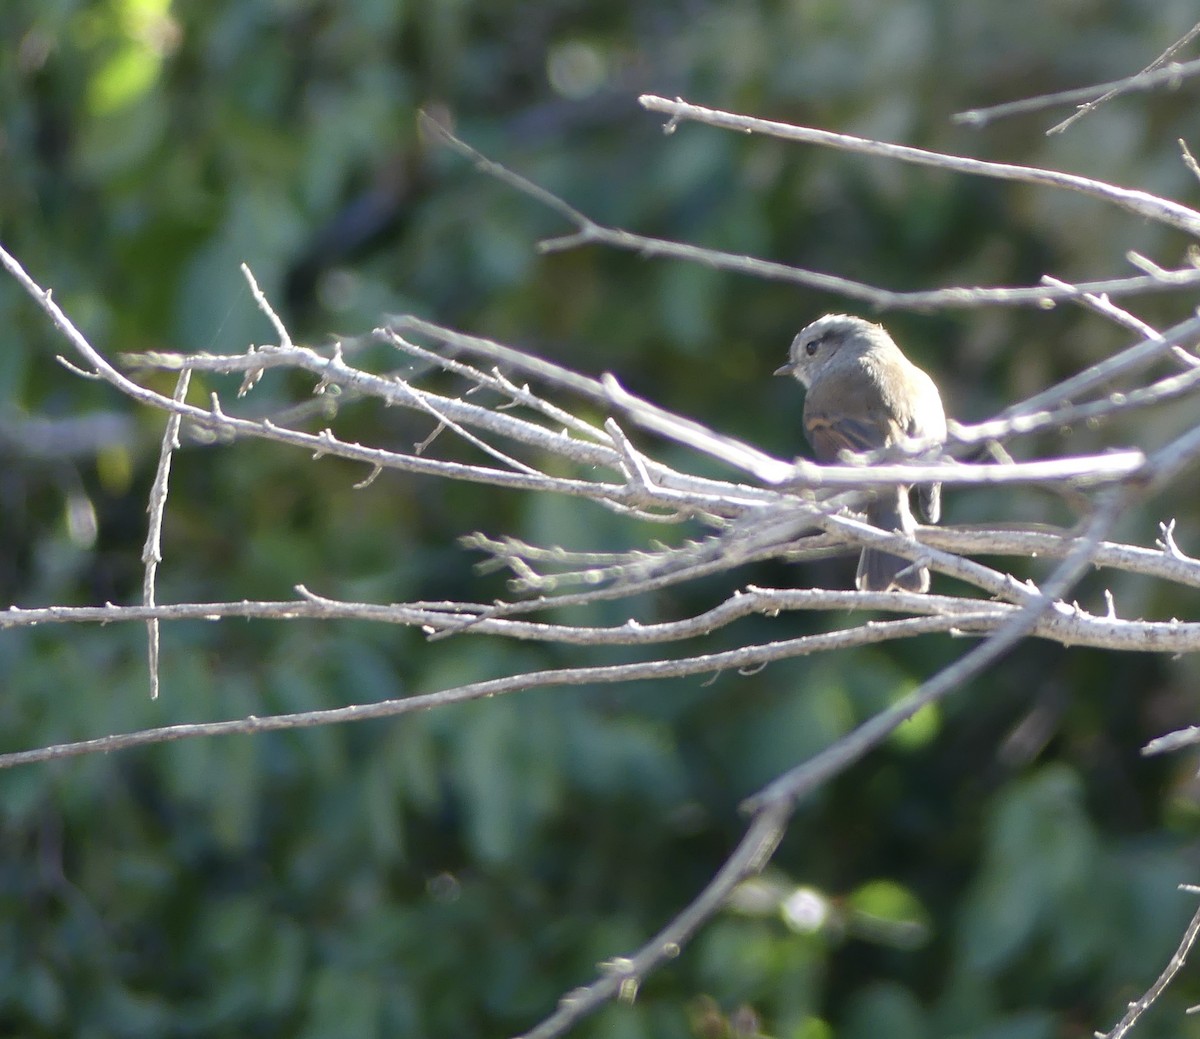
(772, 806)
(152, 553)
(669, 488)
(1148, 998)
(519, 419)
(804, 777)
(708, 663)
(1142, 203)
(1069, 625)
(621, 978)
(590, 232)
(1151, 78)
(1091, 106)
(1189, 160)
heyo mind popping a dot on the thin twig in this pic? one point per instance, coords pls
(622, 977)
(792, 785)
(1130, 360)
(1150, 996)
(588, 231)
(1091, 106)
(670, 487)
(751, 523)
(1069, 625)
(1142, 203)
(152, 552)
(1171, 76)
(1103, 305)
(772, 806)
(285, 339)
(1189, 160)
(709, 663)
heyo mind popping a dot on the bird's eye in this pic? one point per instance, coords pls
(810, 347)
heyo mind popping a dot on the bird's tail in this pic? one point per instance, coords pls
(881, 571)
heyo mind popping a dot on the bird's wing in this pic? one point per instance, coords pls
(829, 435)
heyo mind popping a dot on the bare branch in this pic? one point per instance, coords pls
(1068, 625)
(1130, 360)
(152, 552)
(622, 976)
(772, 806)
(589, 231)
(710, 663)
(671, 489)
(1148, 998)
(1148, 79)
(1103, 305)
(523, 428)
(792, 785)
(1189, 160)
(1142, 203)
(1091, 106)
(1160, 392)
(285, 339)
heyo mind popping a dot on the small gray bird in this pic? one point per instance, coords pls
(864, 394)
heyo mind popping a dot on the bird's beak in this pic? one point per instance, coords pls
(785, 369)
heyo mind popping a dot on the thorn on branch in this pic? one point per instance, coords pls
(326, 382)
(369, 479)
(618, 965)
(1189, 160)
(74, 369)
(1166, 540)
(260, 298)
(1146, 265)
(327, 440)
(639, 475)
(252, 376)
(422, 446)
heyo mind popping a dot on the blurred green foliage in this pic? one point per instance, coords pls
(1005, 868)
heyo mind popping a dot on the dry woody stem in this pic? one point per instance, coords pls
(528, 426)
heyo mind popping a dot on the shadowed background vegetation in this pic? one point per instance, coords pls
(1005, 868)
